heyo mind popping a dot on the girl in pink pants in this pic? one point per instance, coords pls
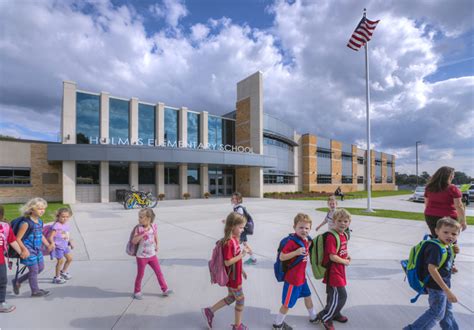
(146, 237)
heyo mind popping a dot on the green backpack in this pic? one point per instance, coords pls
(317, 252)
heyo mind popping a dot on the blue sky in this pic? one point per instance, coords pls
(192, 53)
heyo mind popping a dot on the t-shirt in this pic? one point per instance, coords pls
(330, 221)
(296, 275)
(441, 204)
(147, 246)
(432, 255)
(231, 249)
(61, 237)
(10, 237)
(337, 271)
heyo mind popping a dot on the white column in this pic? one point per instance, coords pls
(68, 118)
(133, 175)
(104, 182)
(160, 178)
(133, 125)
(183, 179)
(204, 169)
(104, 119)
(160, 123)
(69, 182)
(204, 128)
(183, 126)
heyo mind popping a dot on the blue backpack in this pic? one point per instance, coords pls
(16, 224)
(412, 266)
(281, 267)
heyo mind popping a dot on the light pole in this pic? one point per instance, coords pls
(416, 146)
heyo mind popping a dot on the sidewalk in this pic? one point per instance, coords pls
(99, 295)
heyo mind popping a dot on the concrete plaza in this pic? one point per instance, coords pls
(100, 294)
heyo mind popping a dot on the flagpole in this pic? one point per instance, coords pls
(367, 101)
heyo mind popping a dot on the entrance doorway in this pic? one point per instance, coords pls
(221, 183)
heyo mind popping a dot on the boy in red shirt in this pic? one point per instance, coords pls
(7, 237)
(335, 278)
(295, 278)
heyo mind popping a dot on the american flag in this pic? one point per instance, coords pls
(362, 33)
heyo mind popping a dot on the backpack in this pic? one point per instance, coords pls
(4, 231)
(217, 267)
(317, 253)
(16, 224)
(249, 226)
(131, 249)
(412, 265)
(46, 231)
(281, 267)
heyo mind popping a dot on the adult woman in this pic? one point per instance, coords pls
(443, 199)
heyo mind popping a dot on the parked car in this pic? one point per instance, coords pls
(419, 194)
(467, 192)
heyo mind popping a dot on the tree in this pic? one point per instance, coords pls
(461, 178)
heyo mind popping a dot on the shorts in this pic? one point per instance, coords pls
(59, 253)
(291, 293)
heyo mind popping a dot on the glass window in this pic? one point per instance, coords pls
(360, 160)
(146, 174)
(215, 132)
(346, 179)
(193, 176)
(146, 124)
(118, 173)
(171, 175)
(360, 179)
(118, 121)
(229, 132)
(15, 176)
(87, 173)
(171, 127)
(278, 143)
(324, 179)
(277, 179)
(193, 130)
(87, 118)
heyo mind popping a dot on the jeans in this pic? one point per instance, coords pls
(441, 310)
(32, 276)
(155, 265)
(3, 282)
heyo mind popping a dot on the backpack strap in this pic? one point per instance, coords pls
(443, 250)
(300, 258)
(338, 240)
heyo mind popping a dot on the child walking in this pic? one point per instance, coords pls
(332, 204)
(295, 285)
(440, 296)
(61, 242)
(335, 277)
(7, 237)
(236, 201)
(233, 254)
(30, 237)
(146, 237)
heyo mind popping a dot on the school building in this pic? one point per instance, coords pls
(111, 143)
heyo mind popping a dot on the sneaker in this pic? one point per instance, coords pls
(66, 275)
(208, 316)
(315, 320)
(283, 326)
(41, 293)
(167, 293)
(16, 287)
(6, 308)
(241, 326)
(59, 280)
(328, 325)
(138, 296)
(340, 318)
(250, 261)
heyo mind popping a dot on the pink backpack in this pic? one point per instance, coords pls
(217, 267)
(46, 231)
(131, 249)
(4, 231)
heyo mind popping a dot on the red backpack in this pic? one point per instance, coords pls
(217, 266)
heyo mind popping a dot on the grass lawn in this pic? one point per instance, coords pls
(362, 194)
(391, 214)
(12, 211)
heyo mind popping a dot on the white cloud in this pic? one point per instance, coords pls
(310, 78)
